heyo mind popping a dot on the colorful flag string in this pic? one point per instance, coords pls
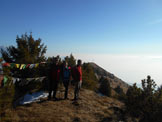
(22, 66)
(21, 81)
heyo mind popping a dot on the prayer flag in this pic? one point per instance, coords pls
(5, 80)
(36, 65)
(24, 66)
(12, 65)
(6, 64)
(27, 65)
(21, 67)
(31, 66)
(17, 65)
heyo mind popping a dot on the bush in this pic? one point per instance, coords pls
(89, 78)
(119, 90)
(133, 101)
(6, 100)
(105, 87)
(121, 95)
(145, 103)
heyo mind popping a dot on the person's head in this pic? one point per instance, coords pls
(65, 64)
(79, 63)
(56, 61)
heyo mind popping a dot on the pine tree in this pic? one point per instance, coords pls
(28, 50)
(119, 90)
(71, 60)
(145, 103)
(133, 101)
(105, 87)
(89, 78)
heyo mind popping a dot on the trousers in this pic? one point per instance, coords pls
(77, 89)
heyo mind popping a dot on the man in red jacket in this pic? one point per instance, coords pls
(78, 79)
(54, 77)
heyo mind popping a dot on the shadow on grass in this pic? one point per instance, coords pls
(76, 119)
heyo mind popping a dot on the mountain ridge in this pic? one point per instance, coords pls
(114, 80)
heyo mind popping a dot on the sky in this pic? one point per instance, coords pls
(122, 36)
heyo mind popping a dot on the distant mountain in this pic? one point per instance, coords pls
(114, 81)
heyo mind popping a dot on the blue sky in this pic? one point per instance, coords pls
(94, 26)
(118, 27)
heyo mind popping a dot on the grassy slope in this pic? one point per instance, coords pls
(91, 108)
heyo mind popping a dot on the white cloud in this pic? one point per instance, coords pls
(130, 68)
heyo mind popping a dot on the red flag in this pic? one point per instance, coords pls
(27, 65)
(6, 64)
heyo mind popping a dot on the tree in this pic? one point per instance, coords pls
(119, 90)
(28, 50)
(133, 101)
(89, 78)
(52, 59)
(71, 60)
(149, 99)
(145, 103)
(121, 95)
(105, 87)
(148, 86)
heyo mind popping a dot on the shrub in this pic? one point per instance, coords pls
(89, 78)
(145, 103)
(6, 100)
(105, 87)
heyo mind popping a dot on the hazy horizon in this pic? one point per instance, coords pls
(129, 68)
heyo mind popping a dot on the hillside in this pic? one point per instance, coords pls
(90, 108)
(114, 81)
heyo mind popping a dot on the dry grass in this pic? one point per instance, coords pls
(91, 108)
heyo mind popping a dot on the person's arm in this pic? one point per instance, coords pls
(79, 74)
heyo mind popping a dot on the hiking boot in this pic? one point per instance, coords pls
(75, 99)
(49, 98)
(79, 98)
(55, 99)
(66, 98)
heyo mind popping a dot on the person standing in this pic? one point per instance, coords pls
(1, 73)
(54, 77)
(66, 78)
(77, 76)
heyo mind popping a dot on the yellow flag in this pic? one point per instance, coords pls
(17, 65)
(36, 65)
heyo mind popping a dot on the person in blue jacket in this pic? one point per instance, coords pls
(66, 78)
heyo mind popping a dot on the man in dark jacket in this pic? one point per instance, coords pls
(1, 74)
(77, 76)
(1, 77)
(54, 77)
